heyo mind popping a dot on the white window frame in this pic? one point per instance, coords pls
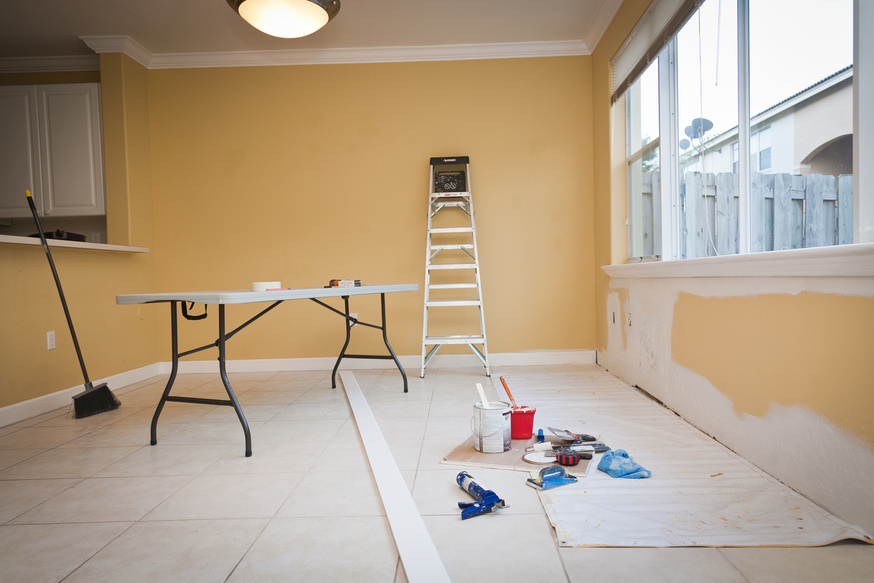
(863, 134)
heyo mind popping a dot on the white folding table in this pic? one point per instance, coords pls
(275, 297)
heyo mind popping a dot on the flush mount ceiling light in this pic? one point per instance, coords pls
(287, 18)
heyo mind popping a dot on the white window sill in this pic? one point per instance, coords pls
(837, 261)
(16, 240)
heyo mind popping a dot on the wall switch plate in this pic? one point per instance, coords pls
(50, 340)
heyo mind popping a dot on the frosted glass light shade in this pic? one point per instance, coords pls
(286, 18)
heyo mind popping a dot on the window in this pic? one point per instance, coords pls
(793, 134)
(644, 200)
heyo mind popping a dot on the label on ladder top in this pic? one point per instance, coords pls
(453, 160)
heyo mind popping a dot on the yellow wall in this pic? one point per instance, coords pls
(303, 174)
(113, 339)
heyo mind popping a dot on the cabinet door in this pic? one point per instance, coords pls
(72, 150)
(19, 151)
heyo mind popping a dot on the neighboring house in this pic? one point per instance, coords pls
(810, 132)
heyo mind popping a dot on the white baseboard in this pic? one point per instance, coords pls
(60, 399)
(412, 364)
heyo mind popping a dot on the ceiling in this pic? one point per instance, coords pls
(37, 34)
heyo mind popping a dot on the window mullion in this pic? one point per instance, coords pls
(743, 125)
(669, 129)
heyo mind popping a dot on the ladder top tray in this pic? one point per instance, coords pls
(452, 160)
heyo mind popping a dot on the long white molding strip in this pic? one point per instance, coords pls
(415, 547)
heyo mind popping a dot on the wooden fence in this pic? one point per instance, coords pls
(787, 211)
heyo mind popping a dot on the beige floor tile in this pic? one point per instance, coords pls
(842, 562)
(206, 433)
(344, 548)
(9, 457)
(313, 411)
(19, 496)
(351, 493)
(167, 460)
(227, 496)
(297, 430)
(450, 427)
(496, 547)
(673, 565)
(104, 500)
(42, 437)
(270, 458)
(49, 552)
(184, 550)
(119, 434)
(73, 462)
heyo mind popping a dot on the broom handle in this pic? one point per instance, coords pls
(45, 246)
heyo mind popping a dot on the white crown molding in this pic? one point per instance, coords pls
(131, 48)
(602, 20)
(119, 44)
(52, 64)
(370, 55)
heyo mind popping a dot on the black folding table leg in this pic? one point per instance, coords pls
(345, 344)
(175, 348)
(227, 383)
(387, 345)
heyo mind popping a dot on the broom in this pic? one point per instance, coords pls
(92, 400)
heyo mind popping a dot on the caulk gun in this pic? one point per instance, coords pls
(488, 500)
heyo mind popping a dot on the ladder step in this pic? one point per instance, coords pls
(465, 246)
(449, 303)
(452, 230)
(442, 203)
(452, 286)
(453, 266)
(473, 339)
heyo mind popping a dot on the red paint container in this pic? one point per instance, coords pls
(522, 422)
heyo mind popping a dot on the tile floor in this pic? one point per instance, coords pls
(90, 500)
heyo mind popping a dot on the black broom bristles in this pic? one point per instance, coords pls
(94, 400)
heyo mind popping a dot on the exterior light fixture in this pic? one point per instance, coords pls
(286, 18)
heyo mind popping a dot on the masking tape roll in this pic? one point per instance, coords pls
(260, 286)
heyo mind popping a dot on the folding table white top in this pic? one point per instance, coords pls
(249, 296)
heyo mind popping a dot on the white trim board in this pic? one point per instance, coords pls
(415, 547)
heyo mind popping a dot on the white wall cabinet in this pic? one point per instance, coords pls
(52, 145)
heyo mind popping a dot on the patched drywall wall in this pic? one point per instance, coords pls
(779, 369)
(808, 350)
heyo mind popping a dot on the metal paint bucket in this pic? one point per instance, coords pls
(491, 427)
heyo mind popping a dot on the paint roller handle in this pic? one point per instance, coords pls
(509, 394)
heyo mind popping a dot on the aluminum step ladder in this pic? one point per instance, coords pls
(453, 290)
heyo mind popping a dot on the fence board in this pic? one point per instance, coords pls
(820, 189)
(726, 213)
(761, 201)
(845, 209)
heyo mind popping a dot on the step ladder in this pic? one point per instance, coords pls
(453, 290)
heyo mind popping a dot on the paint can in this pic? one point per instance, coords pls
(522, 422)
(491, 427)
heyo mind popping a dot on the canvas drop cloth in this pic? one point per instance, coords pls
(700, 492)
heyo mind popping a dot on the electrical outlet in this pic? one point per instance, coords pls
(628, 319)
(353, 315)
(50, 340)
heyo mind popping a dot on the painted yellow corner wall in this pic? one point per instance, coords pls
(809, 350)
(304, 174)
(113, 339)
